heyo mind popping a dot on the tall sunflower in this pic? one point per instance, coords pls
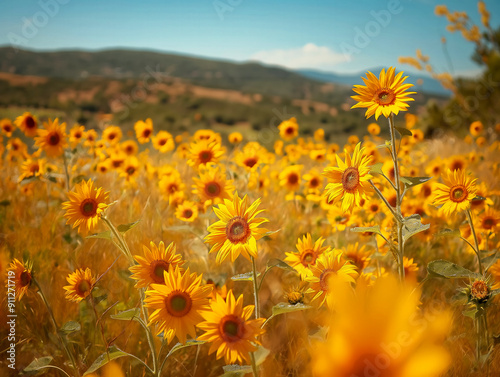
(212, 186)
(330, 268)
(237, 230)
(52, 139)
(456, 193)
(85, 206)
(308, 253)
(178, 303)
(23, 275)
(28, 124)
(349, 180)
(156, 261)
(80, 285)
(383, 96)
(230, 330)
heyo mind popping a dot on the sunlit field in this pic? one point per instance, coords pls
(146, 253)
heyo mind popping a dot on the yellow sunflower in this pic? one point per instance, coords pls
(357, 255)
(204, 152)
(235, 138)
(143, 130)
(212, 186)
(476, 128)
(76, 135)
(85, 206)
(130, 168)
(170, 185)
(289, 129)
(7, 127)
(129, 147)
(349, 180)
(112, 135)
(52, 139)
(187, 211)
(237, 230)
(330, 267)
(23, 275)
(178, 304)
(383, 96)
(373, 129)
(32, 167)
(156, 261)
(81, 282)
(28, 124)
(489, 220)
(230, 330)
(456, 193)
(308, 253)
(290, 178)
(163, 142)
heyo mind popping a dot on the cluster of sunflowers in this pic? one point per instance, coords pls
(353, 297)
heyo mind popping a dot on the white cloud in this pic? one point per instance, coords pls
(307, 56)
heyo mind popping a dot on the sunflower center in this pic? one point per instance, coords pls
(77, 135)
(7, 128)
(130, 170)
(54, 138)
(237, 229)
(480, 290)
(374, 208)
(83, 287)
(187, 213)
(25, 278)
(158, 267)
(111, 136)
(250, 162)
(205, 156)
(350, 179)
(88, 207)
(324, 278)
(178, 304)
(457, 165)
(314, 182)
(489, 223)
(231, 328)
(458, 193)
(289, 130)
(35, 168)
(162, 142)
(212, 189)
(29, 122)
(146, 133)
(308, 257)
(293, 178)
(385, 96)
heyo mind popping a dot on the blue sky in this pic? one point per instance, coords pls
(338, 36)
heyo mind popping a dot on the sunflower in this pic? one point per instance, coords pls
(230, 330)
(290, 177)
(143, 130)
(212, 186)
(16, 147)
(112, 135)
(76, 135)
(207, 135)
(250, 157)
(80, 285)
(235, 138)
(373, 129)
(476, 128)
(319, 135)
(170, 185)
(156, 261)
(129, 147)
(289, 129)
(23, 275)
(456, 193)
(178, 303)
(383, 96)
(308, 253)
(489, 220)
(349, 181)
(204, 152)
(330, 267)
(32, 168)
(90, 138)
(411, 269)
(85, 206)
(163, 142)
(187, 211)
(357, 255)
(52, 139)
(380, 330)
(28, 124)
(130, 169)
(237, 230)
(7, 127)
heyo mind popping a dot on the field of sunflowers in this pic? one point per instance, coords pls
(152, 254)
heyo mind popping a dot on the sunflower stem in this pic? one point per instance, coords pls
(255, 288)
(56, 328)
(123, 245)
(397, 183)
(476, 249)
(381, 196)
(254, 365)
(66, 171)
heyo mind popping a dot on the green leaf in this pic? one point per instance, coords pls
(38, 364)
(267, 234)
(126, 227)
(128, 315)
(448, 233)
(284, 307)
(403, 131)
(28, 180)
(247, 276)
(113, 353)
(104, 235)
(414, 181)
(70, 327)
(364, 229)
(490, 259)
(280, 264)
(377, 168)
(413, 225)
(446, 269)
(189, 343)
(236, 370)
(470, 313)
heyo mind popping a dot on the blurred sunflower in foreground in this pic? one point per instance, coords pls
(379, 331)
